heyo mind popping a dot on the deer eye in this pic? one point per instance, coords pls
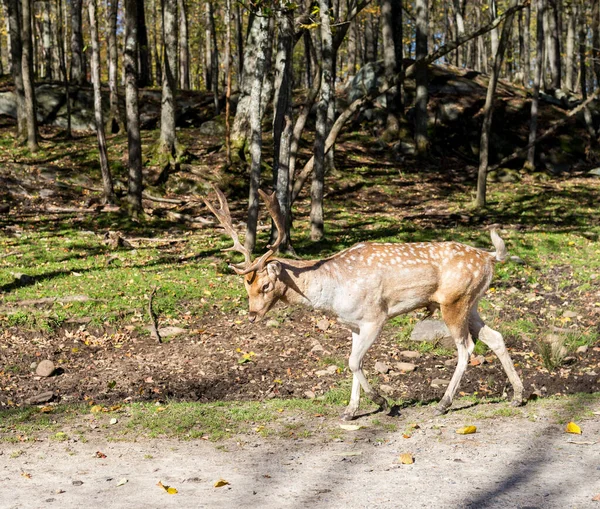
(266, 287)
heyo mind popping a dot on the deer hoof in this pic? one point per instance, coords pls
(441, 409)
(347, 416)
(517, 402)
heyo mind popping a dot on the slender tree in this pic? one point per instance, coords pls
(27, 70)
(537, 81)
(62, 58)
(421, 139)
(317, 228)
(145, 67)
(184, 51)
(78, 63)
(134, 141)
(167, 144)
(488, 109)
(114, 120)
(109, 193)
(13, 13)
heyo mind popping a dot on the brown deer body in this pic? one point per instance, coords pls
(369, 283)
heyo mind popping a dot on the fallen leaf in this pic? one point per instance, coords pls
(407, 458)
(573, 428)
(220, 483)
(467, 430)
(406, 435)
(169, 489)
(96, 409)
(350, 427)
(122, 482)
(100, 455)
(46, 409)
(26, 475)
(596, 498)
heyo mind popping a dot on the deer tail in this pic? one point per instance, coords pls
(501, 253)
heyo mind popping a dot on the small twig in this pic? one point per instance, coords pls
(161, 200)
(154, 325)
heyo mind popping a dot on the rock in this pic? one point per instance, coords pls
(323, 324)
(45, 368)
(42, 397)
(477, 360)
(330, 370)
(23, 279)
(272, 323)
(386, 389)
(409, 354)
(450, 362)
(317, 348)
(582, 349)
(439, 382)
(166, 332)
(432, 331)
(212, 128)
(381, 367)
(310, 394)
(569, 314)
(406, 367)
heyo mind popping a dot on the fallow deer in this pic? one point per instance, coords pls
(369, 283)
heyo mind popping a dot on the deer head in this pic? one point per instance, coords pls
(262, 276)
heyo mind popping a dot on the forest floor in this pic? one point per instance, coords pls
(68, 294)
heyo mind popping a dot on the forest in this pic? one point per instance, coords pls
(369, 120)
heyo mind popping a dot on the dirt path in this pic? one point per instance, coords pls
(525, 461)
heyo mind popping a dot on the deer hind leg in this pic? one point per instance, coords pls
(494, 340)
(361, 342)
(457, 322)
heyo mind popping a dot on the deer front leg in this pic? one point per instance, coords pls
(361, 342)
(495, 341)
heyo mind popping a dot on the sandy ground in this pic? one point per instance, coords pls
(524, 462)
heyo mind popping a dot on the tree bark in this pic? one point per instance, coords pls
(570, 56)
(63, 65)
(16, 56)
(317, 228)
(488, 110)
(78, 63)
(27, 70)
(134, 142)
(282, 121)
(596, 38)
(107, 183)
(167, 145)
(553, 47)
(259, 43)
(157, 53)
(537, 81)
(114, 120)
(390, 61)
(46, 40)
(421, 139)
(145, 75)
(184, 51)
(228, 72)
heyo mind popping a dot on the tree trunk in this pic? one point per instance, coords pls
(228, 72)
(214, 60)
(582, 53)
(114, 121)
(488, 110)
(460, 29)
(157, 33)
(107, 184)
(16, 56)
(27, 69)
(570, 57)
(46, 40)
(494, 33)
(526, 57)
(167, 145)
(390, 10)
(537, 81)
(208, 68)
(184, 51)
(318, 183)
(260, 35)
(241, 50)
(282, 121)
(554, 44)
(596, 38)
(145, 68)
(421, 138)
(134, 142)
(78, 64)
(63, 64)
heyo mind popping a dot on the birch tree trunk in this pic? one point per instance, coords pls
(537, 81)
(570, 56)
(78, 64)
(46, 40)
(488, 110)
(107, 183)
(134, 142)
(317, 228)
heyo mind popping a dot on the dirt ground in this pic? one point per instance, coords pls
(516, 462)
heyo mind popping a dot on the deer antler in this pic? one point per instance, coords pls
(224, 217)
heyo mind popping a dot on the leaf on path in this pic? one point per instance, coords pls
(467, 430)
(96, 409)
(122, 482)
(169, 489)
(596, 498)
(407, 458)
(573, 428)
(350, 427)
(100, 455)
(220, 483)
(46, 409)
(26, 475)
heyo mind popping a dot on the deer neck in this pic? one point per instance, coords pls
(309, 283)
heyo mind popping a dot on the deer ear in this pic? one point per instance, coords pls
(273, 269)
